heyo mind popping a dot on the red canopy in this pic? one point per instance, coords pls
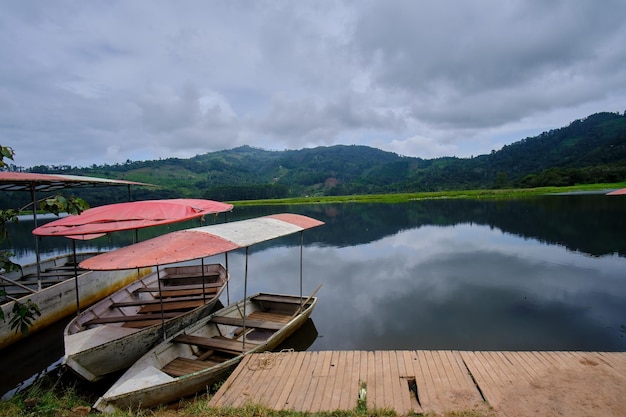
(200, 242)
(96, 221)
(26, 181)
(618, 192)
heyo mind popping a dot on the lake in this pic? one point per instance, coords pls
(545, 273)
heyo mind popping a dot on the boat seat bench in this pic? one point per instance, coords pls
(187, 276)
(137, 317)
(183, 366)
(182, 291)
(278, 299)
(236, 321)
(172, 306)
(214, 343)
(164, 301)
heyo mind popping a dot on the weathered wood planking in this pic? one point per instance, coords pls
(445, 381)
(331, 380)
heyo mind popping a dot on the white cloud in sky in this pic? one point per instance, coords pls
(106, 81)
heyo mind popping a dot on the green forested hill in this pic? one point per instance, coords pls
(586, 151)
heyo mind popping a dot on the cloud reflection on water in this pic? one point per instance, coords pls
(457, 287)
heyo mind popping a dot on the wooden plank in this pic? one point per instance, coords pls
(279, 401)
(172, 306)
(429, 380)
(121, 319)
(398, 385)
(304, 385)
(413, 366)
(279, 299)
(483, 377)
(267, 316)
(183, 366)
(224, 345)
(312, 396)
(250, 323)
(183, 292)
(247, 385)
(519, 367)
(338, 387)
(209, 286)
(176, 276)
(323, 383)
(229, 391)
(351, 386)
(158, 301)
(327, 396)
(616, 360)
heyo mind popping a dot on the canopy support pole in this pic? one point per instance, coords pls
(37, 255)
(76, 277)
(245, 296)
(301, 245)
(227, 282)
(203, 281)
(161, 302)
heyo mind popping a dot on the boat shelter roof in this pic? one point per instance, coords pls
(132, 215)
(200, 242)
(618, 192)
(27, 181)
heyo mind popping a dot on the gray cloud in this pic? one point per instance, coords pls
(103, 82)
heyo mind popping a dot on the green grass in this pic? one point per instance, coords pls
(52, 398)
(405, 197)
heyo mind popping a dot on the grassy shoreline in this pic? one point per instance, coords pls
(405, 197)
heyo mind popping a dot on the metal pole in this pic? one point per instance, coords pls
(301, 245)
(245, 296)
(161, 302)
(76, 277)
(227, 282)
(37, 255)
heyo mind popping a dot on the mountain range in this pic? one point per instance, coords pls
(589, 150)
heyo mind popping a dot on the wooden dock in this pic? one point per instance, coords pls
(495, 383)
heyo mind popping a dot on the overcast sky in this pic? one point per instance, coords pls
(92, 82)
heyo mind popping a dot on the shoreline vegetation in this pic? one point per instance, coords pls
(52, 397)
(406, 197)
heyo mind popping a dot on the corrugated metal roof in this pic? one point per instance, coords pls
(200, 242)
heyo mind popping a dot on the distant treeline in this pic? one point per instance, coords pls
(589, 150)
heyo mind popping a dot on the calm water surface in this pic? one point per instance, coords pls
(547, 273)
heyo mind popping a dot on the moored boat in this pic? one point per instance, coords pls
(202, 354)
(51, 286)
(113, 333)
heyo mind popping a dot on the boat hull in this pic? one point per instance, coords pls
(106, 348)
(146, 385)
(59, 300)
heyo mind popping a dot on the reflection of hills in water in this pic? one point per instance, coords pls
(593, 224)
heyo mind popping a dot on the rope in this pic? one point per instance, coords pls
(267, 360)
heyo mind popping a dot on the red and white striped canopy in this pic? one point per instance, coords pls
(200, 242)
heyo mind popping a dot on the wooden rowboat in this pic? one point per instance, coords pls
(50, 284)
(202, 354)
(113, 333)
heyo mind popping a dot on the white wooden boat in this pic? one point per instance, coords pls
(145, 383)
(113, 333)
(204, 353)
(54, 292)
